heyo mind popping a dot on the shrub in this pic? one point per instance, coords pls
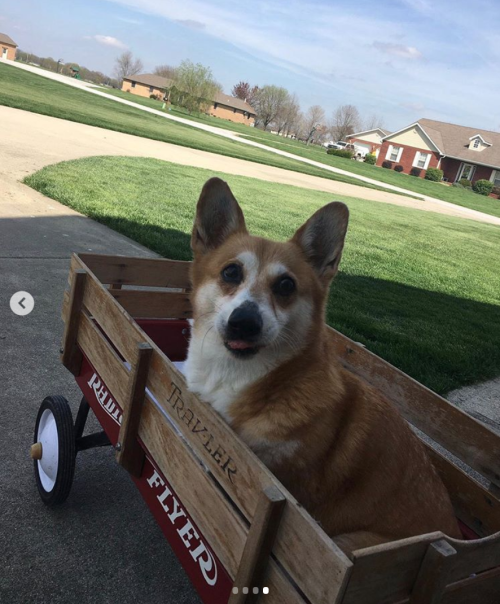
(465, 183)
(387, 164)
(398, 168)
(434, 174)
(370, 158)
(415, 172)
(341, 153)
(496, 191)
(483, 187)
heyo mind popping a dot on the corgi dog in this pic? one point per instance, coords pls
(261, 355)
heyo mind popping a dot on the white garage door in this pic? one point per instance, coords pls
(362, 148)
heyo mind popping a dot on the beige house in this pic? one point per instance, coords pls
(146, 84)
(223, 106)
(7, 47)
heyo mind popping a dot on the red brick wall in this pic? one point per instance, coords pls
(11, 51)
(407, 157)
(451, 167)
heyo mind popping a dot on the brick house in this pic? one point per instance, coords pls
(232, 109)
(7, 48)
(223, 106)
(460, 151)
(146, 84)
(369, 140)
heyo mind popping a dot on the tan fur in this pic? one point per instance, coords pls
(342, 450)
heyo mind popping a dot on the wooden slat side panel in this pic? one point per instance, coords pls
(102, 356)
(125, 270)
(153, 304)
(227, 534)
(484, 589)
(477, 507)
(468, 439)
(316, 563)
(475, 556)
(385, 574)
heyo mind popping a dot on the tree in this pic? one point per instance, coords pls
(268, 103)
(345, 121)
(165, 71)
(373, 121)
(287, 116)
(197, 85)
(245, 92)
(313, 121)
(126, 65)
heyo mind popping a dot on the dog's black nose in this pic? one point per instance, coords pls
(245, 322)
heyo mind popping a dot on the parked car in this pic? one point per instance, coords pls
(340, 145)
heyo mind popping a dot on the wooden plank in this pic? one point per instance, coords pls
(477, 507)
(318, 566)
(71, 356)
(386, 573)
(475, 556)
(483, 589)
(433, 574)
(153, 304)
(469, 440)
(125, 270)
(250, 578)
(102, 356)
(210, 509)
(129, 452)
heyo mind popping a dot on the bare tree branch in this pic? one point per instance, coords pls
(126, 65)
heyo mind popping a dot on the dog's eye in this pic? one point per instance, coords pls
(232, 273)
(284, 286)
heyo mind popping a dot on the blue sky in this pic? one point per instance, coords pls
(400, 59)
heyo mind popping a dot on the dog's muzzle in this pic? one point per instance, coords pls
(243, 330)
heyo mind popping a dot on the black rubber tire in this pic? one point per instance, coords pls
(61, 411)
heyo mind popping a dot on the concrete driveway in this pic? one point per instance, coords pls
(102, 546)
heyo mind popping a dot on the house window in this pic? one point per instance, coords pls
(234, 110)
(476, 143)
(394, 153)
(421, 160)
(495, 178)
(467, 172)
(216, 105)
(151, 89)
(133, 84)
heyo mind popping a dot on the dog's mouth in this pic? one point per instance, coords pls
(242, 348)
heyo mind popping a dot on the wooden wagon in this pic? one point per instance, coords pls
(239, 534)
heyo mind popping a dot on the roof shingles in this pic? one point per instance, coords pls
(453, 141)
(5, 39)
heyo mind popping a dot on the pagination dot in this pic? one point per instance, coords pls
(265, 590)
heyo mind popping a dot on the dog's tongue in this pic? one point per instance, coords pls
(239, 345)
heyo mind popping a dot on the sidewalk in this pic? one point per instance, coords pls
(103, 544)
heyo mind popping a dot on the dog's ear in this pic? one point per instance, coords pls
(322, 237)
(218, 216)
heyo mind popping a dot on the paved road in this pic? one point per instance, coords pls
(102, 546)
(30, 141)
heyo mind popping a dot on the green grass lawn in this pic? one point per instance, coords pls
(455, 195)
(31, 92)
(422, 290)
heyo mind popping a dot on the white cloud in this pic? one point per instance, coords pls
(107, 41)
(398, 50)
(131, 21)
(309, 40)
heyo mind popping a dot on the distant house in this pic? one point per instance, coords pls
(7, 47)
(232, 109)
(223, 106)
(370, 141)
(146, 84)
(460, 151)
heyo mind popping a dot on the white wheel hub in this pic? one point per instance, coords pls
(48, 464)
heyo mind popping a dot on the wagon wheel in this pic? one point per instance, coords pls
(54, 451)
